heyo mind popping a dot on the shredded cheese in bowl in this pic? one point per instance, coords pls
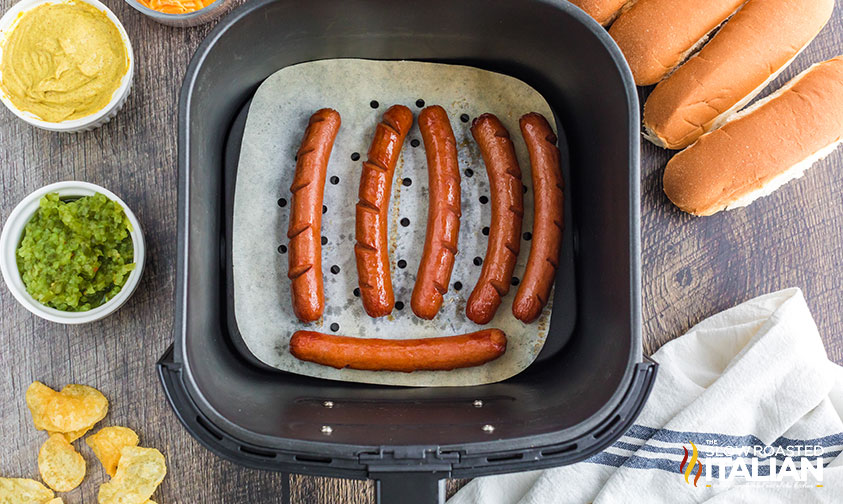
(176, 6)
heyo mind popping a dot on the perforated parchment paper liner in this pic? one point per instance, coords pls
(361, 90)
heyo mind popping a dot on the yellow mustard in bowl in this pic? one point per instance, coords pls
(63, 61)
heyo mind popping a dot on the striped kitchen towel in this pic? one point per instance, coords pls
(746, 408)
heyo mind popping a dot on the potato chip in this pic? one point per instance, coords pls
(78, 407)
(74, 410)
(38, 397)
(107, 444)
(61, 466)
(139, 472)
(72, 436)
(57, 500)
(24, 491)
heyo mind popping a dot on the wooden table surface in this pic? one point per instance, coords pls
(693, 268)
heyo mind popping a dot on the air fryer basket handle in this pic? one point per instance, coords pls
(410, 488)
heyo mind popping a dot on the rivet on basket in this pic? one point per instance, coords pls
(488, 429)
(327, 430)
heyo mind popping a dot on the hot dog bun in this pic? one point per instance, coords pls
(746, 54)
(656, 36)
(763, 147)
(603, 11)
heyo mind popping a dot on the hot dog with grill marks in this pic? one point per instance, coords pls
(426, 354)
(548, 187)
(504, 245)
(304, 232)
(443, 214)
(372, 211)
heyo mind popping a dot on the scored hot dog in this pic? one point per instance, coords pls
(443, 214)
(498, 154)
(304, 267)
(548, 219)
(426, 354)
(372, 211)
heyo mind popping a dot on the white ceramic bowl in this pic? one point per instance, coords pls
(95, 120)
(11, 236)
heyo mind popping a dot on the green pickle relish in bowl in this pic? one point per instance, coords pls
(76, 254)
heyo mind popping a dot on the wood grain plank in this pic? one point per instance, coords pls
(692, 269)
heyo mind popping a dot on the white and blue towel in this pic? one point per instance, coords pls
(743, 393)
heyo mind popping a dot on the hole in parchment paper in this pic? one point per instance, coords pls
(484, 199)
(335, 269)
(469, 172)
(282, 202)
(335, 327)
(464, 118)
(457, 286)
(405, 222)
(324, 240)
(407, 182)
(356, 292)
(515, 281)
(528, 236)
(478, 261)
(282, 249)
(414, 142)
(355, 156)
(419, 103)
(486, 231)
(402, 264)
(335, 180)
(324, 209)
(374, 104)
(399, 305)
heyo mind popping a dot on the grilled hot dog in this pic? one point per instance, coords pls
(371, 249)
(443, 213)
(548, 187)
(304, 232)
(426, 354)
(507, 212)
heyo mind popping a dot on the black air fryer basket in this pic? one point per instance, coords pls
(590, 380)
